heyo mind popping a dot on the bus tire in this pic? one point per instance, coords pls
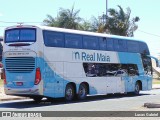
(137, 88)
(37, 99)
(69, 92)
(82, 92)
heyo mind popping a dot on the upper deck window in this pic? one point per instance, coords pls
(120, 45)
(73, 41)
(20, 35)
(133, 46)
(90, 42)
(102, 43)
(143, 48)
(53, 39)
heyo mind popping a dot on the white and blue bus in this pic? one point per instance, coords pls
(50, 62)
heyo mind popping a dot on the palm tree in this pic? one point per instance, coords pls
(119, 23)
(85, 26)
(67, 18)
(50, 21)
(97, 25)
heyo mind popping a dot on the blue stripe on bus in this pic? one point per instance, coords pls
(134, 58)
(54, 84)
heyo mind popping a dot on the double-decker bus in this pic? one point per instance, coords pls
(51, 62)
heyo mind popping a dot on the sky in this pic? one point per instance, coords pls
(35, 11)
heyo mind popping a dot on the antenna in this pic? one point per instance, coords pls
(20, 23)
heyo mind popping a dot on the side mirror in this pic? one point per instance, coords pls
(157, 61)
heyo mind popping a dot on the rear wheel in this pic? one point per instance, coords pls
(82, 92)
(69, 92)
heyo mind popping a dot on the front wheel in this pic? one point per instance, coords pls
(137, 88)
(69, 92)
(82, 92)
(37, 99)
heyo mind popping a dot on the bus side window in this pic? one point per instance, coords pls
(53, 39)
(147, 64)
(133, 46)
(110, 45)
(122, 46)
(116, 45)
(73, 41)
(102, 43)
(90, 42)
(143, 48)
(133, 70)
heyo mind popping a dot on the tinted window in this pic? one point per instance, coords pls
(73, 41)
(122, 45)
(143, 48)
(90, 42)
(147, 64)
(53, 39)
(110, 44)
(116, 45)
(102, 43)
(133, 46)
(132, 70)
(20, 35)
(110, 69)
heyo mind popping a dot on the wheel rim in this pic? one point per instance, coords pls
(82, 92)
(137, 88)
(69, 93)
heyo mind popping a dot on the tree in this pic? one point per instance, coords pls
(85, 26)
(50, 21)
(67, 18)
(119, 23)
(97, 25)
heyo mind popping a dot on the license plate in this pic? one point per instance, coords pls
(19, 83)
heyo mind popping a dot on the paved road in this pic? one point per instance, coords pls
(93, 103)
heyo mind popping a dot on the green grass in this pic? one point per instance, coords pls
(156, 80)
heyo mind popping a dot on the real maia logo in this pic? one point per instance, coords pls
(90, 56)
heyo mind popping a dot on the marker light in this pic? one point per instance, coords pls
(38, 76)
(4, 76)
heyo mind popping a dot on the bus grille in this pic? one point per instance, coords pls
(20, 64)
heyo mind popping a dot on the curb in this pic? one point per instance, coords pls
(14, 98)
(156, 88)
(152, 105)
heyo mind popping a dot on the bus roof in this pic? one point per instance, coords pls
(75, 32)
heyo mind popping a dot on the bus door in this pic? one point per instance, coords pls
(131, 77)
(128, 83)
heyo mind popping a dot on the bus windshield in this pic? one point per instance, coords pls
(20, 35)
